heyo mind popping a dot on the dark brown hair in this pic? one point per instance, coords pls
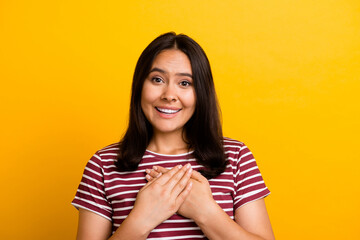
(203, 131)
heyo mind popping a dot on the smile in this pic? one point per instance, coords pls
(167, 111)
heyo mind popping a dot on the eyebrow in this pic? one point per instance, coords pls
(163, 71)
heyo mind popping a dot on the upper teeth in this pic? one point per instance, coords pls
(165, 110)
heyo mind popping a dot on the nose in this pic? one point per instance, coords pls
(169, 93)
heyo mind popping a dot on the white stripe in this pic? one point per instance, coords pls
(123, 200)
(221, 180)
(231, 210)
(231, 146)
(255, 199)
(250, 185)
(92, 187)
(220, 193)
(124, 179)
(233, 152)
(123, 173)
(247, 162)
(94, 163)
(122, 193)
(94, 180)
(119, 217)
(246, 195)
(108, 154)
(178, 220)
(110, 166)
(222, 187)
(175, 229)
(244, 155)
(89, 194)
(93, 171)
(110, 149)
(97, 157)
(223, 201)
(232, 141)
(123, 208)
(108, 160)
(248, 170)
(79, 206)
(94, 204)
(179, 237)
(167, 155)
(125, 185)
(245, 179)
(169, 161)
(235, 160)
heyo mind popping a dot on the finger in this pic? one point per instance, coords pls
(168, 175)
(146, 185)
(181, 185)
(177, 179)
(149, 178)
(160, 169)
(183, 195)
(152, 173)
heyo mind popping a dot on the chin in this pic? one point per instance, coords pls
(168, 129)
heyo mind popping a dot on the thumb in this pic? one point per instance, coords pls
(197, 176)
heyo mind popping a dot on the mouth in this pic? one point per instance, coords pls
(167, 110)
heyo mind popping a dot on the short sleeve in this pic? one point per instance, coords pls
(249, 183)
(91, 191)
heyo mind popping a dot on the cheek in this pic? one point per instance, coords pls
(146, 96)
(190, 100)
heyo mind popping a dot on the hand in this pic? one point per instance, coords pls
(162, 197)
(200, 198)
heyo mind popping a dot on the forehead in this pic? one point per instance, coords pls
(172, 60)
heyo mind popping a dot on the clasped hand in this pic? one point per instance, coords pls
(199, 199)
(162, 197)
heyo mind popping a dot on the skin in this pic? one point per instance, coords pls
(251, 220)
(169, 88)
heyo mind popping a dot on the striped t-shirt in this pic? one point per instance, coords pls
(111, 194)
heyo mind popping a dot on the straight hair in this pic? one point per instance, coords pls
(202, 133)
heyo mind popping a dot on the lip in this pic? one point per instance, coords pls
(171, 111)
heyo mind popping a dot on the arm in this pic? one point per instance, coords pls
(252, 221)
(155, 202)
(94, 227)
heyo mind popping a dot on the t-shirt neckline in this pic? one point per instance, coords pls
(169, 155)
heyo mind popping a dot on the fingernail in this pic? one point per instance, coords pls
(159, 175)
(188, 166)
(147, 170)
(190, 171)
(155, 168)
(147, 177)
(180, 166)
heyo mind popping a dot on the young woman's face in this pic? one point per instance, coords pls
(168, 95)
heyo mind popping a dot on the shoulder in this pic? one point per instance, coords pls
(235, 150)
(230, 143)
(109, 149)
(106, 154)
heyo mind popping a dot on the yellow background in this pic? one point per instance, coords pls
(287, 76)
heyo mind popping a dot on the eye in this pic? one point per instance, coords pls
(157, 80)
(185, 83)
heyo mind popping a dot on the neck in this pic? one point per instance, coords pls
(165, 143)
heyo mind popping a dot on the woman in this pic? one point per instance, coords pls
(173, 175)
